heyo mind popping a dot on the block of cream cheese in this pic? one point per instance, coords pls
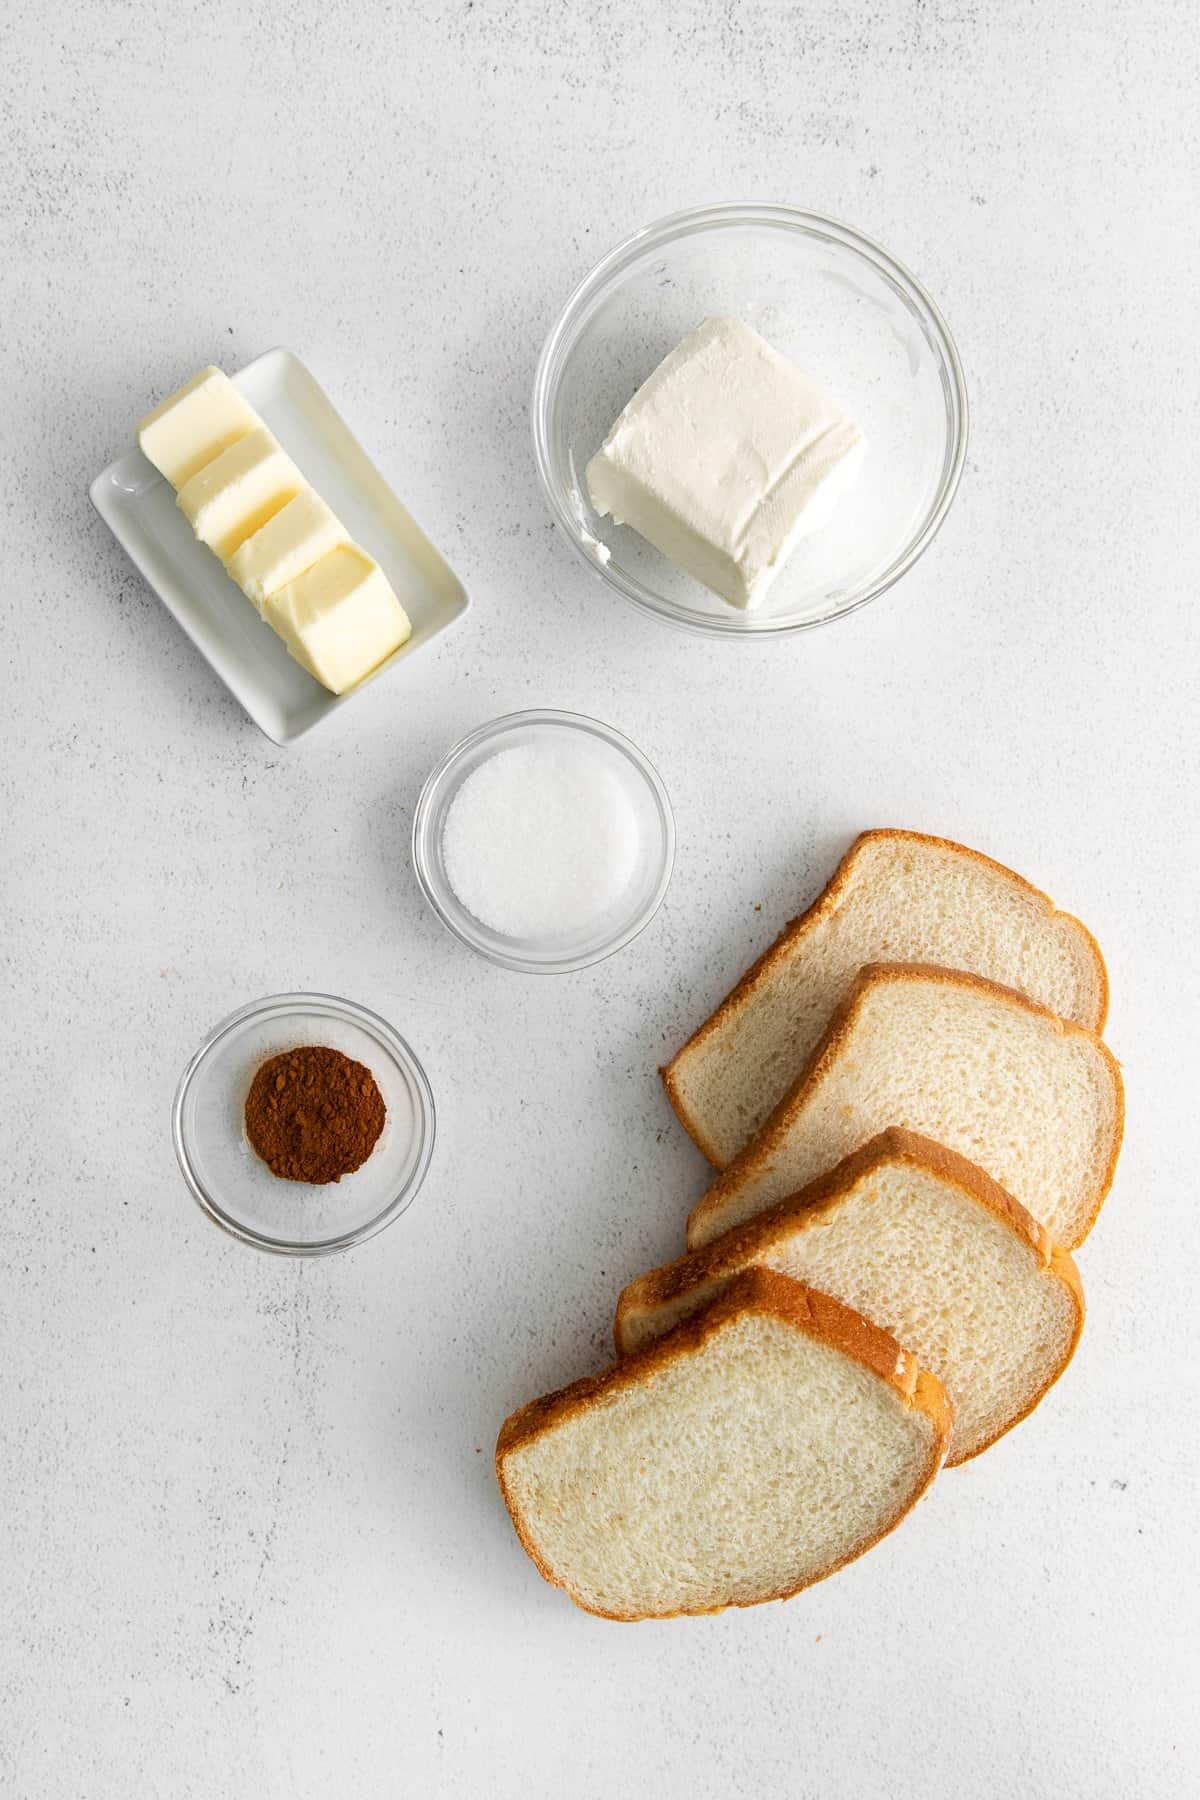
(340, 619)
(725, 458)
(298, 536)
(195, 424)
(235, 494)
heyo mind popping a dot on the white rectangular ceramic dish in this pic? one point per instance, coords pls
(139, 508)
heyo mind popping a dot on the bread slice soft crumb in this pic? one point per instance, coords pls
(896, 897)
(754, 1449)
(925, 1244)
(1036, 1102)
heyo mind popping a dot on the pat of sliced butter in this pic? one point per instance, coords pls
(299, 535)
(194, 424)
(725, 458)
(340, 618)
(236, 493)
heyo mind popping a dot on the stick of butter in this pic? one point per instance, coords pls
(246, 500)
(299, 535)
(725, 458)
(340, 618)
(194, 424)
(235, 494)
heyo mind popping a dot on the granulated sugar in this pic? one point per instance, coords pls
(541, 840)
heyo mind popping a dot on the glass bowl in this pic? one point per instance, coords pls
(847, 313)
(237, 1190)
(638, 901)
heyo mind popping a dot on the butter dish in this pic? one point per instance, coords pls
(138, 506)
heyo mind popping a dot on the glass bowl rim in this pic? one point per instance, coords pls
(685, 223)
(375, 1026)
(500, 727)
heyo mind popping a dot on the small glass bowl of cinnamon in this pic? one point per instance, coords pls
(237, 1188)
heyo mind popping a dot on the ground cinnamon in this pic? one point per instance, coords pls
(313, 1114)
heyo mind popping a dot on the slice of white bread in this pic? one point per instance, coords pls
(1036, 1102)
(754, 1449)
(896, 897)
(926, 1245)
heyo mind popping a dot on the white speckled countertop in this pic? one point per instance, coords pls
(252, 1540)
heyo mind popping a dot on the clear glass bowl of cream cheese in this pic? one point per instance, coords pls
(838, 307)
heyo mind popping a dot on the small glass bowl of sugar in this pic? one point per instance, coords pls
(545, 841)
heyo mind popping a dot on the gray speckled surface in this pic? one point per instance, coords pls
(252, 1541)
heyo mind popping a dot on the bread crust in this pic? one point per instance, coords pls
(715, 1260)
(1063, 1267)
(759, 1291)
(839, 1028)
(827, 902)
